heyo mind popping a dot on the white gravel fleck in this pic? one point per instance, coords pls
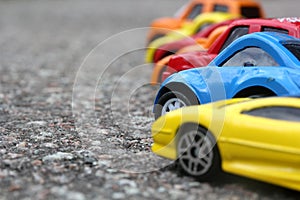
(118, 195)
(37, 123)
(46, 134)
(49, 145)
(124, 182)
(58, 156)
(96, 143)
(131, 190)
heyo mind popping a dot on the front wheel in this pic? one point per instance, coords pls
(198, 154)
(173, 100)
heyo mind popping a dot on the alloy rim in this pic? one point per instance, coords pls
(172, 104)
(195, 153)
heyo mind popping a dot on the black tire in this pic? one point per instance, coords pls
(255, 92)
(198, 154)
(173, 100)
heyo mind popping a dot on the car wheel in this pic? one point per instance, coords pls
(171, 101)
(198, 154)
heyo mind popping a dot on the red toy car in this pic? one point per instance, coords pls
(173, 47)
(238, 28)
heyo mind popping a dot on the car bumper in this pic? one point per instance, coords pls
(164, 142)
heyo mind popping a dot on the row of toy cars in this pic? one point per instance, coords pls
(257, 138)
(193, 21)
(193, 8)
(197, 26)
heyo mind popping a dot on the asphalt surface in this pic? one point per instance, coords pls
(75, 105)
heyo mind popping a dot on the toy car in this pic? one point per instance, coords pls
(236, 29)
(199, 23)
(173, 47)
(199, 44)
(256, 138)
(257, 64)
(161, 26)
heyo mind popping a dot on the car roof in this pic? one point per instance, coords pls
(270, 37)
(282, 22)
(290, 20)
(215, 16)
(212, 27)
(253, 39)
(226, 1)
(277, 37)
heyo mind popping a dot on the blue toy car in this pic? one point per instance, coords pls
(257, 64)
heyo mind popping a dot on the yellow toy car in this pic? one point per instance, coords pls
(256, 138)
(189, 29)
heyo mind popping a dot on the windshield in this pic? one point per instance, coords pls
(294, 49)
(196, 10)
(285, 113)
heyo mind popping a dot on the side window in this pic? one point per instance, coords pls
(196, 10)
(234, 34)
(294, 49)
(250, 57)
(220, 8)
(272, 29)
(276, 112)
(250, 12)
(202, 27)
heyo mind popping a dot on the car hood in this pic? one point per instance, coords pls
(167, 22)
(190, 60)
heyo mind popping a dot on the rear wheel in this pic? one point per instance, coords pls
(198, 154)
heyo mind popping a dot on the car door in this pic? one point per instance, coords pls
(249, 67)
(263, 139)
(246, 68)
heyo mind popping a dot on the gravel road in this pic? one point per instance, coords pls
(75, 105)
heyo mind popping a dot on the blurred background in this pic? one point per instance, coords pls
(55, 36)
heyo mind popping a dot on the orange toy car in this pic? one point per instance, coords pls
(246, 8)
